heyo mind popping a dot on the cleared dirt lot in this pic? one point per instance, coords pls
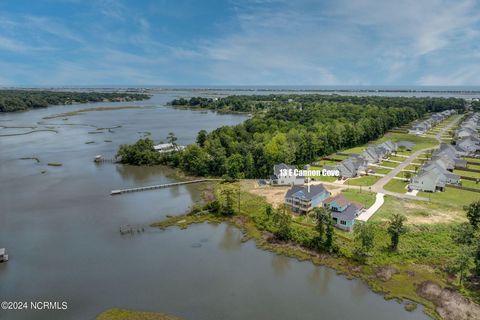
(275, 195)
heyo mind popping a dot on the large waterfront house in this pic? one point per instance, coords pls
(302, 199)
(344, 212)
(283, 176)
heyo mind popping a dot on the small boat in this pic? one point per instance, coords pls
(3, 255)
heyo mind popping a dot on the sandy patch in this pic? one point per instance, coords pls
(449, 304)
(418, 214)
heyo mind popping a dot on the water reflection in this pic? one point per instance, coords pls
(140, 174)
(280, 265)
(231, 239)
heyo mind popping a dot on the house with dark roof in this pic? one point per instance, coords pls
(352, 166)
(302, 199)
(408, 145)
(283, 176)
(344, 212)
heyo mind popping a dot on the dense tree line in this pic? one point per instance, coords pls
(253, 103)
(18, 100)
(476, 105)
(296, 133)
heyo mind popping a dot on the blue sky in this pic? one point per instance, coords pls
(249, 42)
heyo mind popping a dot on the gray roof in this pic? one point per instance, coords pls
(303, 193)
(350, 213)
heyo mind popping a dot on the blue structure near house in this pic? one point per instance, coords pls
(344, 212)
(303, 199)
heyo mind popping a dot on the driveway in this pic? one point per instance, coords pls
(364, 216)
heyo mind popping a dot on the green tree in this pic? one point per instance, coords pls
(324, 229)
(171, 138)
(227, 208)
(329, 233)
(364, 237)
(201, 138)
(395, 229)
(282, 220)
(461, 264)
(473, 214)
(195, 160)
(235, 166)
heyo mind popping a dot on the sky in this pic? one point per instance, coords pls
(234, 42)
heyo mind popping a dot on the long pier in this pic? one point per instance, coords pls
(159, 186)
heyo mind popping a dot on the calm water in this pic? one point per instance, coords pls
(60, 228)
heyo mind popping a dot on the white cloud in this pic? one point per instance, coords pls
(465, 76)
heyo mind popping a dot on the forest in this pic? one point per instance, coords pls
(295, 129)
(20, 100)
(254, 103)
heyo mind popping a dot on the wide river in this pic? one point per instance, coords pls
(60, 227)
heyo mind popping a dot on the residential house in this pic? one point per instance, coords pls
(283, 176)
(372, 154)
(468, 145)
(302, 199)
(408, 145)
(352, 166)
(427, 181)
(167, 147)
(433, 176)
(344, 212)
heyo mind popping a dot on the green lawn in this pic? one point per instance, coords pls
(357, 150)
(363, 181)
(475, 165)
(396, 186)
(471, 184)
(389, 164)
(396, 158)
(452, 196)
(467, 173)
(323, 178)
(366, 198)
(380, 170)
(404, 174)
(412, 167)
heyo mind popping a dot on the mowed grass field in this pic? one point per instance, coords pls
(420, 142)
(395, 185)
(363, 181)
(452, 197)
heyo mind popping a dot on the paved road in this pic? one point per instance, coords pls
(378, 186)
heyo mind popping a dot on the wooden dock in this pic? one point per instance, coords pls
(159, 186)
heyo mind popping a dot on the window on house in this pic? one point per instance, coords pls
(343, 222)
